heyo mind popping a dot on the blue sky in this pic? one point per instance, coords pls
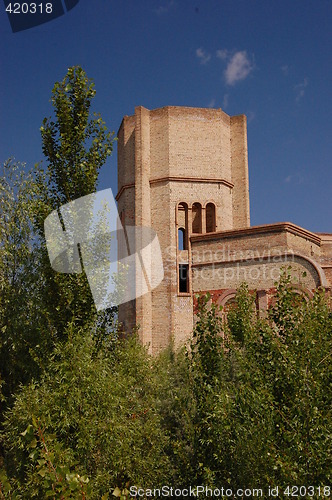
(268, 59)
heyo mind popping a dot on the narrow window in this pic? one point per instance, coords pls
(197, 218)
(182, 243)
(183, 278)
(182, 224)
(210, 213)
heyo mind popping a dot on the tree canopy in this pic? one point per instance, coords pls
(238, 411)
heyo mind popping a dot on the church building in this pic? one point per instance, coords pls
(184, 173)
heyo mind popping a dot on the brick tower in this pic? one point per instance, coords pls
(182, 171)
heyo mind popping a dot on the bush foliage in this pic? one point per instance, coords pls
(247, 403)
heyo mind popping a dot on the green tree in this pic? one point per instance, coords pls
(247, 406)
(271, 411)
(300, 375)
(177, 407)
(259, 392)
(36, 303)
(205, 356)
(92, 421)
(25, 334)
(76, 143)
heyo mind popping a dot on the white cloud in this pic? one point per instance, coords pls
(212, 103)
(203, 56)
(300, 89)
(163, 9)
(296, 178)
(238, 68)
(225, 101)
(222, 54)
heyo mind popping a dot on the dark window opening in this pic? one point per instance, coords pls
(196, 218)
(183, 278)
(210, 212)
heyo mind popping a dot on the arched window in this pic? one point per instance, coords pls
(182, 223)
(182, 240)
(299, 295)
(210, 212)
(197, 218)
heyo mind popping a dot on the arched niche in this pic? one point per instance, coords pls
(196, 218)
(210, 214)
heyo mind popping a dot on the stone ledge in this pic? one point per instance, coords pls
(193, 179)
(277, 227)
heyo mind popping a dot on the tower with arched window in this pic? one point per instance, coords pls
(183, 172)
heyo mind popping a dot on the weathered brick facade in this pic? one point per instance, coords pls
(184, 172)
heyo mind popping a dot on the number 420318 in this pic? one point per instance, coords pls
(29, 8)
(308, 491)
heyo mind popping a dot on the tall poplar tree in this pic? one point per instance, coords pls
(36, 303)
(76, 143)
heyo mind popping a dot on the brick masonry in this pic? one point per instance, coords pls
(184, 172)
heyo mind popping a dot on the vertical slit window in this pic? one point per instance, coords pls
(182, 224)
(183, 278)
(182, 243)
(210, 212)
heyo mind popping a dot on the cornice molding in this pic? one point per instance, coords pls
(278, 227)
(159, 180)
(124, 187)
(206, 180)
